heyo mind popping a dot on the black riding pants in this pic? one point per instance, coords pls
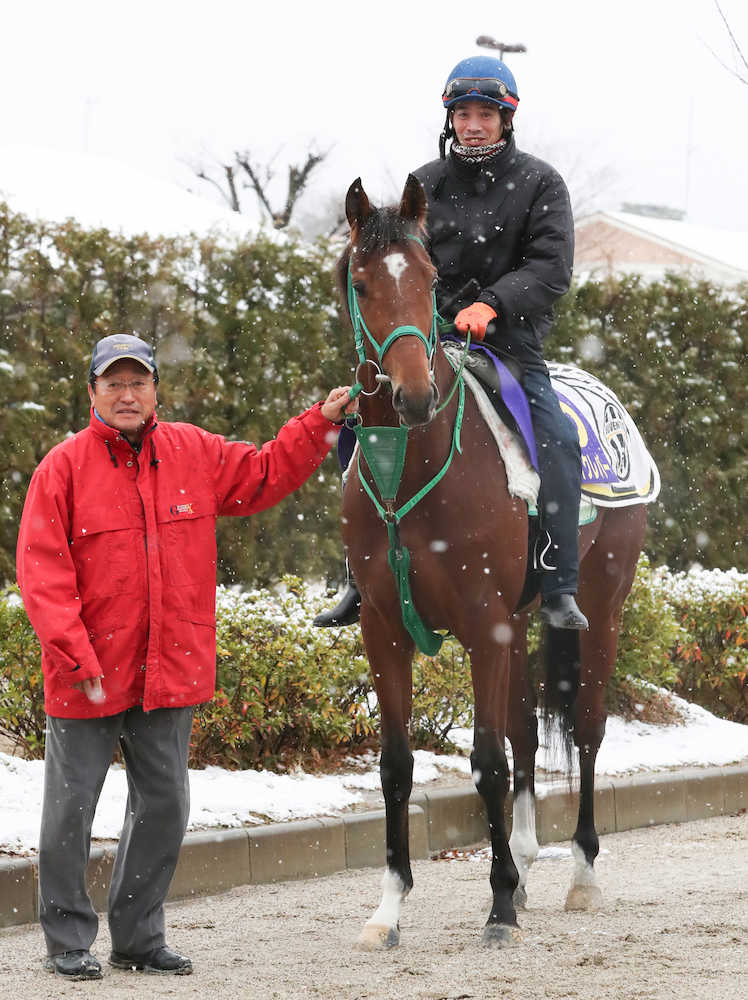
(560, 470)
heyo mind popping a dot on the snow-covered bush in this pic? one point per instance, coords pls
(22, 718)
(710, 660)
(287, 692)
(284, 690)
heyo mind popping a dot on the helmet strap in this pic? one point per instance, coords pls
(447, 133)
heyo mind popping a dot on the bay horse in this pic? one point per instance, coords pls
(468, 541)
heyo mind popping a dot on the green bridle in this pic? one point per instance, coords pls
(360, 328)
(384, 449)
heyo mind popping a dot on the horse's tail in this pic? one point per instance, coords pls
(562, 659)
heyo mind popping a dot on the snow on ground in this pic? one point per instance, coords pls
(100, 191)
(233, 798)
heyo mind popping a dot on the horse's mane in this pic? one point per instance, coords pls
(383, 228)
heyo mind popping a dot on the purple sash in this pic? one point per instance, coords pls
(513, 396)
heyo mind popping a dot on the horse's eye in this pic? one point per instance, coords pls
(359, 288)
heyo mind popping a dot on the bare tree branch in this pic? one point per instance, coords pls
(229, 194)
(259, 188)
(297, 182)
(234, 199)
(258, 179)
(736, 47)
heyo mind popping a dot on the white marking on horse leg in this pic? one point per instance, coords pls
(584, 893)
(396, 264)
(382, 929)
(523, 842)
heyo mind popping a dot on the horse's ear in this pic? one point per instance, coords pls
(413, 204)
(357, 207)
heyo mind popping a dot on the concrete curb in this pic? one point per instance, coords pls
(215, 861)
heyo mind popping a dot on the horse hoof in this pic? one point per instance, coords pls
(500, 936)
(519, 898)
(584, 897)
(378, 937)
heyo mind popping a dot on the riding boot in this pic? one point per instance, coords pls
(561, 611)
(560, 475)
(348, 609)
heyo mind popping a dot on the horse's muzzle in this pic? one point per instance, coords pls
(413, 409)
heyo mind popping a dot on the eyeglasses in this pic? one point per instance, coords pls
(115, 387)
(478, 87)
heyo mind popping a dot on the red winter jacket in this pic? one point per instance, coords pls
(117, 554)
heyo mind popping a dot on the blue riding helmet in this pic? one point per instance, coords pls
(481, 78)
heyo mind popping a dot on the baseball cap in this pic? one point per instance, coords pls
(118, 346)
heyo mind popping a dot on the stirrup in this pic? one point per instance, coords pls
(346, 612)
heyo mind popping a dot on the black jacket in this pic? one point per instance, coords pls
(508, 225)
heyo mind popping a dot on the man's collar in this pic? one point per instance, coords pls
(104, 430)
(497, 166)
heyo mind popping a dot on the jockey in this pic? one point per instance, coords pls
(502, 240)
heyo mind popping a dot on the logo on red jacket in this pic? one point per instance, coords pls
(181, 508)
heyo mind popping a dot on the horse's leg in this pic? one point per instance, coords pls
(522, 730)
(607, 572)
(390, 652)
(490, 670)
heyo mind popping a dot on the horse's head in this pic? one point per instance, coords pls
(389, 280)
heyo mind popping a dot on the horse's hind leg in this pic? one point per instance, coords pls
(522, 731)
(490, 669)
(607, 572)
(390, 656)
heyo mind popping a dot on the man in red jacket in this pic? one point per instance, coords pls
(117, 568)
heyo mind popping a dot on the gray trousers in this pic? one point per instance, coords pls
(78, 753)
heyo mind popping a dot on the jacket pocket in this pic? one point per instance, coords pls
(187, 531)
(107, 551)
(197, 618)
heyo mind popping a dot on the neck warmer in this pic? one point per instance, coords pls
(477, 154)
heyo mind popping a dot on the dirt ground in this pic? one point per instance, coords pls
(674, 924)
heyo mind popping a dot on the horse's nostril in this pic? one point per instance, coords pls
(397, 398)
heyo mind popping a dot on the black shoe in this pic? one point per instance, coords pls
(346, 612)
(163, 961)
(561, 611)
(74, 965)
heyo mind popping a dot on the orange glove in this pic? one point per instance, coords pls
(475, 318)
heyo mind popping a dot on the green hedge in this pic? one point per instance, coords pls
(247, 334)
(289, 693)
(250, 332)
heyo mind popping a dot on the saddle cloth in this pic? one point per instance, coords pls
(617, 469)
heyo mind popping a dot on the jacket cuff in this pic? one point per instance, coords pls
(84, 671)
(488, 297)
(323, 421)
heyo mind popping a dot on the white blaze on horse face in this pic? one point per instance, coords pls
(397, 265)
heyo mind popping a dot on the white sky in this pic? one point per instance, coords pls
(604, 85)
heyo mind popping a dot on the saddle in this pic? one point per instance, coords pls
(617, 469)
(483, 368)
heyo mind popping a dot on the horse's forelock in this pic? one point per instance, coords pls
(383, 228)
